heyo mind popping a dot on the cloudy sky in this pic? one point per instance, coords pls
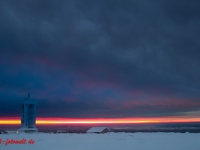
(100, 58)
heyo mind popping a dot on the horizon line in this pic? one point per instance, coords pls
(136, 120)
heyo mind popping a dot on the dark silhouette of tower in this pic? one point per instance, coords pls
(28, 115)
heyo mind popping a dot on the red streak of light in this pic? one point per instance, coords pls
(55, 121)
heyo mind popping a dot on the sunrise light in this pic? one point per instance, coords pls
(46, 121)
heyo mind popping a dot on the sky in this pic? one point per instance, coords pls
(100, 58)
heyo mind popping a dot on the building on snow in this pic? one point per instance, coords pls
(28, 115)
(98, 130)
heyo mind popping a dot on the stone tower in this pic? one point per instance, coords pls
(28, 115)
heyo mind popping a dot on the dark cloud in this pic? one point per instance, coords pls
(93, 58)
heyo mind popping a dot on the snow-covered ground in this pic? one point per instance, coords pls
(107, 141)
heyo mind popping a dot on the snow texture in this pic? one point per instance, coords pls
(107, 141)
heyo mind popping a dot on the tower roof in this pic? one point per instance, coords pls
(29, 100)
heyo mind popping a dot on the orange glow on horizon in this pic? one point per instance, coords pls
(56, 121)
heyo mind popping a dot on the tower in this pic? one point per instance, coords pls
(28, 115)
